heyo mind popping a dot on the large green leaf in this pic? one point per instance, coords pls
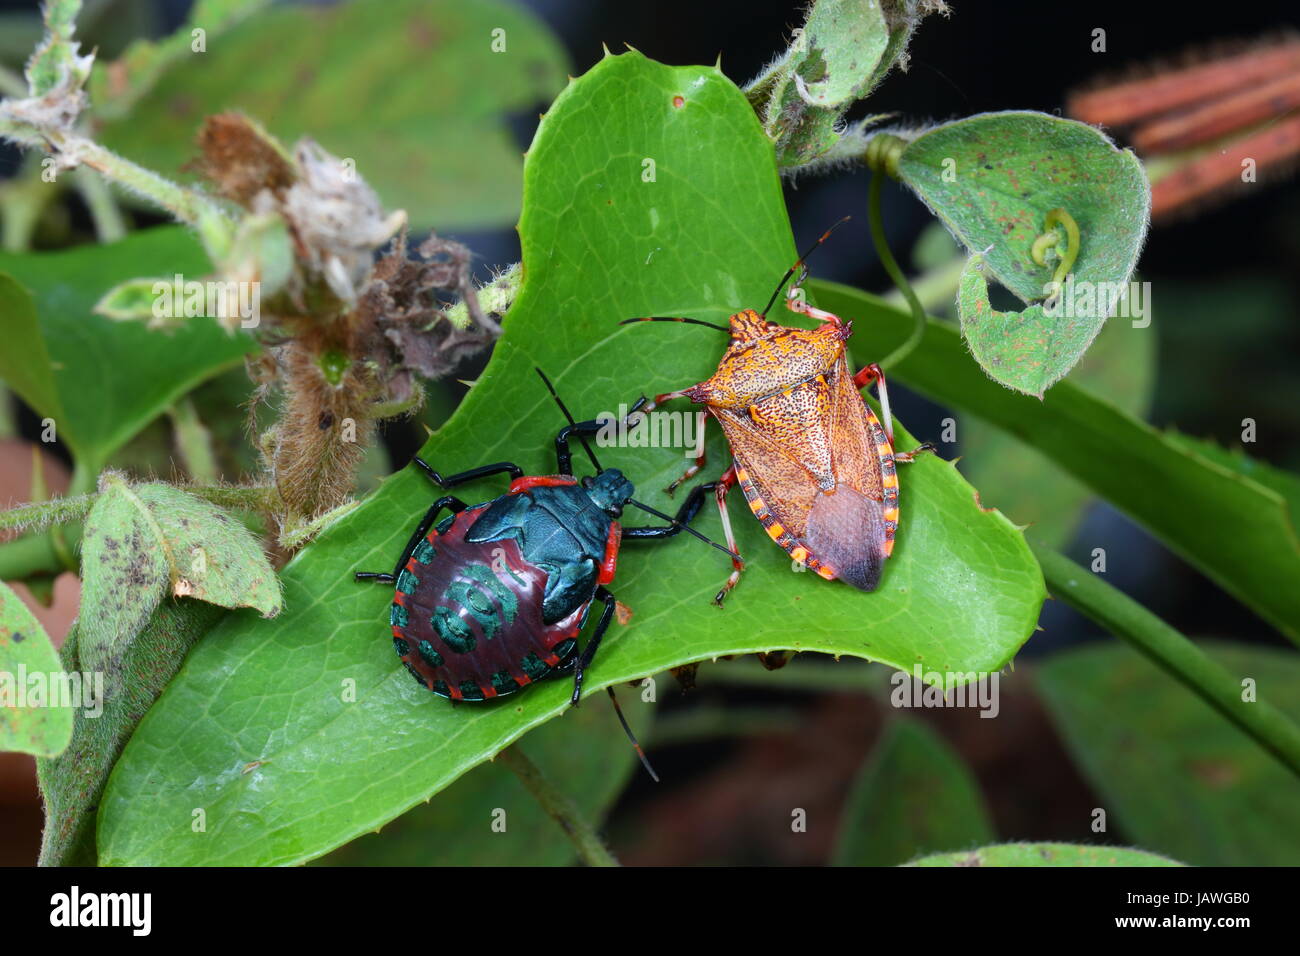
(1047, 854)
(1172, 773)
(586, 753)
(110, 379)
(73, 782)
(1233, 528)
(600, 243)
(411, 90)
(25, 362)
(32, 720)
(914, 796)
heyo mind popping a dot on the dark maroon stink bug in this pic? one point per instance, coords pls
(494, 596)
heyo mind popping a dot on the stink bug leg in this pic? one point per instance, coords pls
(720, 489)
(687, 475)
(865, 377)
(451, 503)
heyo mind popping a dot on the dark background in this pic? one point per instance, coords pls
(1209, 272)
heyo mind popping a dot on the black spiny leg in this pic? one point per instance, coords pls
(484, 471)
(451, 503)
(589, 652)
(685, 515)
(584, 430)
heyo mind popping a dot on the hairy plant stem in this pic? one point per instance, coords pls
(591, 849)
(1172, 653)
(110, 224)
(214, 227)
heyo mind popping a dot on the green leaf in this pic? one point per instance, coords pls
(145, 541)
(600, 243)
(110, 379)
(1173, 774)
(585, 754)
(1235, 530)
(1020, 480)
(1048, 854)
(132, 299)
(55, 62)
(841, 53)
(29, 724)
(914, 796)
(72, 783)
(25, 363)
(993, 179)
(116, 88)
(1009, 170)
(411, 90)
(1284, 483)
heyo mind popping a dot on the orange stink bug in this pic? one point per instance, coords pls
(813, 460)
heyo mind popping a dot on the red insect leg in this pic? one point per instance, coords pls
(540, 481)
(865, 377)
(611, 553)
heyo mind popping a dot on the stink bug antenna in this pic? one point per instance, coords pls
(559, 401)
(645, 761)
(676, 318)
(799, 265)
(685, 527)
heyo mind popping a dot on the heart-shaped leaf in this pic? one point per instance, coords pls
(417, 93)
(648, 190)
(996, 180)
(102, 381)
(31, 719)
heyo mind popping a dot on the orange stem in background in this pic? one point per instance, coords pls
(1127, 102)
(1222, 170)
(1208, 122)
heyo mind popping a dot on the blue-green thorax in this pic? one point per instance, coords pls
(609, 491)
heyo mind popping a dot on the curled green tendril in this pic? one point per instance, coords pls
(1051, 238)
(883, 153)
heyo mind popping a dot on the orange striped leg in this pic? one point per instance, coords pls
(873, 373)
(690, 473)
(721, 487)
(907, 457)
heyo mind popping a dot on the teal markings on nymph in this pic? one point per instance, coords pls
(424, 552)
(431, 656)
(487, 600)
(534, 666)
(407, 582)
(454, 632)
(398, 616)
